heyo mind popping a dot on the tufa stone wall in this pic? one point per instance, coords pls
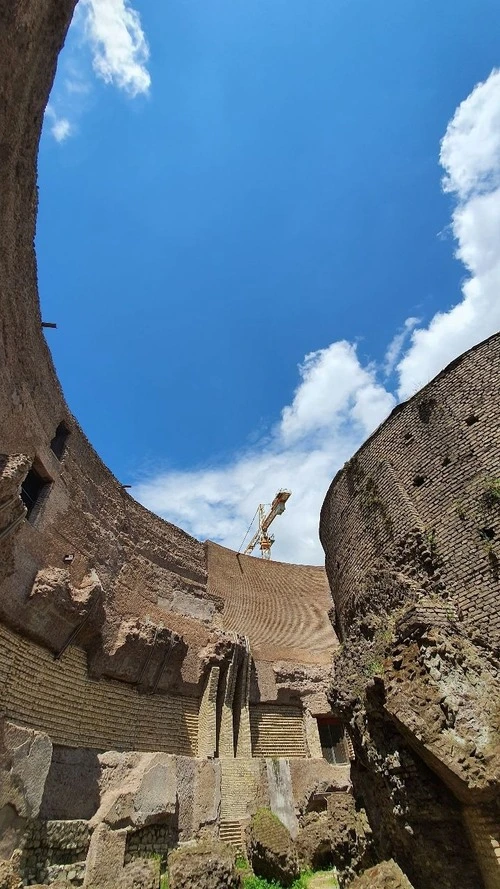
(55, 850)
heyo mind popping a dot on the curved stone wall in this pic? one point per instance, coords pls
(421, 500)
(94, 587)
(411, 532)
(109, 635)
(282, 608)
(89, 566)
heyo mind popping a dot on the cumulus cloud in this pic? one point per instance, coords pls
(119, 47)
(60, 127)
(119, 53)
(337, 403)
(338, 400)
(470, 156)
(395, 347)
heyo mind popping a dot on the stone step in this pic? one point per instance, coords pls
(231, 832)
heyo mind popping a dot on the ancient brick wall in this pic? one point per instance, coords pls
(277, 732)
(57, 697)
(282, 608)
(147, 568)
(419, 499)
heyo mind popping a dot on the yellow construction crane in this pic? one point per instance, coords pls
(261, 536)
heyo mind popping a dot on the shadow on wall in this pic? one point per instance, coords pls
(72, 787)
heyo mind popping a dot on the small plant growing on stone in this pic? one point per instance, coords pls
(430, 536)
(375, 668)
(491, 494)
(240, 862)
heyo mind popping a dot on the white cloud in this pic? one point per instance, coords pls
(119, 47)
(470, 156)
(395, 347)
(60, 127)
(111, 30)
(337, 403)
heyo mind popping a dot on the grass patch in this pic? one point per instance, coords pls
(302, 882)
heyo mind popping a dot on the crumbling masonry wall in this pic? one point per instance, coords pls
(419, 497)
(411, 532)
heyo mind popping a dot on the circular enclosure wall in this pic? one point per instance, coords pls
(420, 500)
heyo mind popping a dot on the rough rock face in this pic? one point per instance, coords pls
(58, 603)
(24, 764)
(389, 690)
(271, 850)
(339, 837)
(136, 789)
(12, 510)
(386, 875)
(444, 696)
(204, 865)
(312, 785)
(10, 878)
(310, 682)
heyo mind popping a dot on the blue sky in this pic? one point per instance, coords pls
(229, 187)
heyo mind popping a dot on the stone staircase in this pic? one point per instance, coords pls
(231, 832)
(239, 786)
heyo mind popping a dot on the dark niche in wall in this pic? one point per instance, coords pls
(34, 491)
(60, 440)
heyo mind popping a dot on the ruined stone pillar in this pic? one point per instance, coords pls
(207, 722)
(226, 734)
(244, 742)
(312, 736)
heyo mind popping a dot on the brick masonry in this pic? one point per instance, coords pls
(420, 491)
(58, 697)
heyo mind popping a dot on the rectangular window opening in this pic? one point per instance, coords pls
(34, 490)
(333, 742)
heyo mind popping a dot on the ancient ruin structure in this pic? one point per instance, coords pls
(410, 528)
(156, 690)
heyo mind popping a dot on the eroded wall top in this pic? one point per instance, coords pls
(419, 504)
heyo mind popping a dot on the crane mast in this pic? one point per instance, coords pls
(261, 536)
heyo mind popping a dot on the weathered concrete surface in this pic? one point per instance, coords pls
(444, 697)
(24, 764)
(339, 837)
(136, 789)
(72, 785)
(105, 863)
(281, 801)
(207, 797)
(414, 812)
(315, 776)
